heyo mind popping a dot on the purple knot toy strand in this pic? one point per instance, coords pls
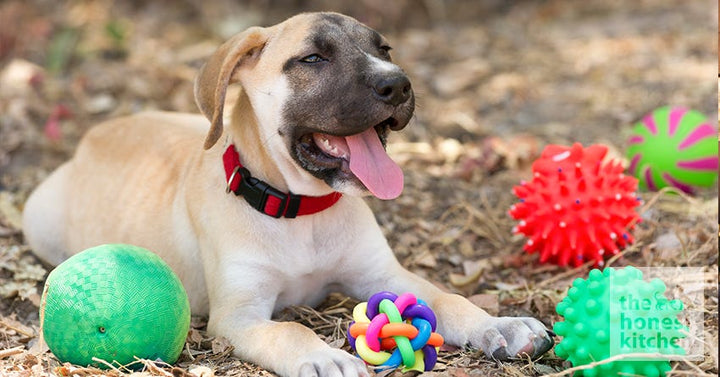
(374, 302)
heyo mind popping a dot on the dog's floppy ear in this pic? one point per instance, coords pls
(214, 77)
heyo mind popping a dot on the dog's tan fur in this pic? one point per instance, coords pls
(147, 180)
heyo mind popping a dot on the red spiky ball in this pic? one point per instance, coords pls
(577, 207)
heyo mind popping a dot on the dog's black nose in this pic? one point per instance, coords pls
(393, 90)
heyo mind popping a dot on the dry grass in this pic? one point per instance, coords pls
(495, 83)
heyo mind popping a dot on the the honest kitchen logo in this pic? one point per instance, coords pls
(648, 324)
(661, 315)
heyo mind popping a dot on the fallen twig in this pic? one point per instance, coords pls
(11, 351)
(17, 329)
(565, 274)
(609, 360)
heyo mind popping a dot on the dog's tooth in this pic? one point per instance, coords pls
(331, 145)
(326, 144)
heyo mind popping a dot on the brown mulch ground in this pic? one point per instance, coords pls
(495, 83)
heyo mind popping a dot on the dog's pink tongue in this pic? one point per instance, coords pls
(372, 165)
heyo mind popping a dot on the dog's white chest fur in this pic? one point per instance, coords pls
(308, 256)
(313, 258)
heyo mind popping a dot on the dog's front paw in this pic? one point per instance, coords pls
(506, 337)
(331, 362)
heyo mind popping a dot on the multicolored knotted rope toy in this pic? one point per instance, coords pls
(390, 330)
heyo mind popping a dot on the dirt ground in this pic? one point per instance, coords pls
(496, 81)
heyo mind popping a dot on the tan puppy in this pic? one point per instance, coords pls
(320, 94)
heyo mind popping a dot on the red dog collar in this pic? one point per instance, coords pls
(266, 198)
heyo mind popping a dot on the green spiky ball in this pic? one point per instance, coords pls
(114, 302)
(615, 312)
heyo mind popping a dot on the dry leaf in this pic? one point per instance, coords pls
(426, 259)
(23, 288)
(337, 343)
(8, 211)
(220, 345)
(475, 267)
(508, 286)
(194, 337)
(202, 371)
(26, 270)
(487, 301)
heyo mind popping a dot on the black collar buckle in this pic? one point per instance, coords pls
(256, 192)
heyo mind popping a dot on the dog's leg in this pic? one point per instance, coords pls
(288, 348)
(459, 321)
(242, 314)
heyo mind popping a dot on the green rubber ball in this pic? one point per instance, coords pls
(115, 303)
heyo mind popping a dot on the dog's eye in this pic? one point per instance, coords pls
(314, 58)
(385, 51)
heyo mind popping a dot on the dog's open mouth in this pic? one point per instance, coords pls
(363, 155)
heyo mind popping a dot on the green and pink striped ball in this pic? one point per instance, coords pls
(674, 146)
